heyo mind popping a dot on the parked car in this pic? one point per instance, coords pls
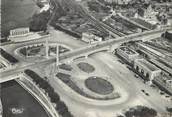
(137, 76)
(147, 94)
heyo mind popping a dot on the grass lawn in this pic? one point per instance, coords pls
(99, 85)
(85, 67)
(65, 67)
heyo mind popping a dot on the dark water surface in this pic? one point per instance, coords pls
(13, 96)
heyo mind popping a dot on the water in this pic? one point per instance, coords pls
(15, 98)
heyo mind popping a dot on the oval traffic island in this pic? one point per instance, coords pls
(99, 85)
(85, 67)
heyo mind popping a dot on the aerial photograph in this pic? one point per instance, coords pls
(86, 58)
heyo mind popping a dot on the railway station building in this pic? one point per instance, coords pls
(127, 54)
(146, 69)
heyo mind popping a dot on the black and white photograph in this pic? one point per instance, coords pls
(86, 58)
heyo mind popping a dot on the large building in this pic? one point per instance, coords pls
(164, 82)
(90, 38)
(146, 49)
(146, 69)
(128, 54)
(19, 32)
(24, 34)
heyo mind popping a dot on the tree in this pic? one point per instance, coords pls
(43, 84)
(39, 21)
(67, 114)
(54, 97)
(120, 116)
(169, 110)
(61, 107)
(141, 111)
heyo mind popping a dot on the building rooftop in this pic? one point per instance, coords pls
(147, 64)
(144, 23)
(128, 50)
(20, 29)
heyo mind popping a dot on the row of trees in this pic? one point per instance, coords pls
(140, 111)
(7, 56)
(167, 35)
(54, 97)
(95, 6)
(169, 110)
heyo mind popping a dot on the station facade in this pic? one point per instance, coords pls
(146, 69)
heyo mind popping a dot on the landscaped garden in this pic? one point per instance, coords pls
(8, 57)
(61, 49)
(107, 88)
(65, 67)
(99, 85)
(31, 51)
(39, 50)
(85, 67)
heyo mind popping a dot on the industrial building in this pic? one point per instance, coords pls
(90, 38)
(146, 49)
(164, 82)
(128, 54)
(146, 69)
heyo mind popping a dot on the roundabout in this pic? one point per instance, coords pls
(99, 85)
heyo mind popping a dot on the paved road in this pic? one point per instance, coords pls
(86, 49)
(135, 96)
(133, 85)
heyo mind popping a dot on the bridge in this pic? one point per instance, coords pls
(10, 77)
(109, 45)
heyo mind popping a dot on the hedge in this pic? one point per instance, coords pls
(54, 97)
(8, 57)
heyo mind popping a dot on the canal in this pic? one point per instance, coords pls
(17, 102)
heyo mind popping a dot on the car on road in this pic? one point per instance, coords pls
(167, 96)
(143, 90)
(147, 94)
(137, 76)
(162, 93)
